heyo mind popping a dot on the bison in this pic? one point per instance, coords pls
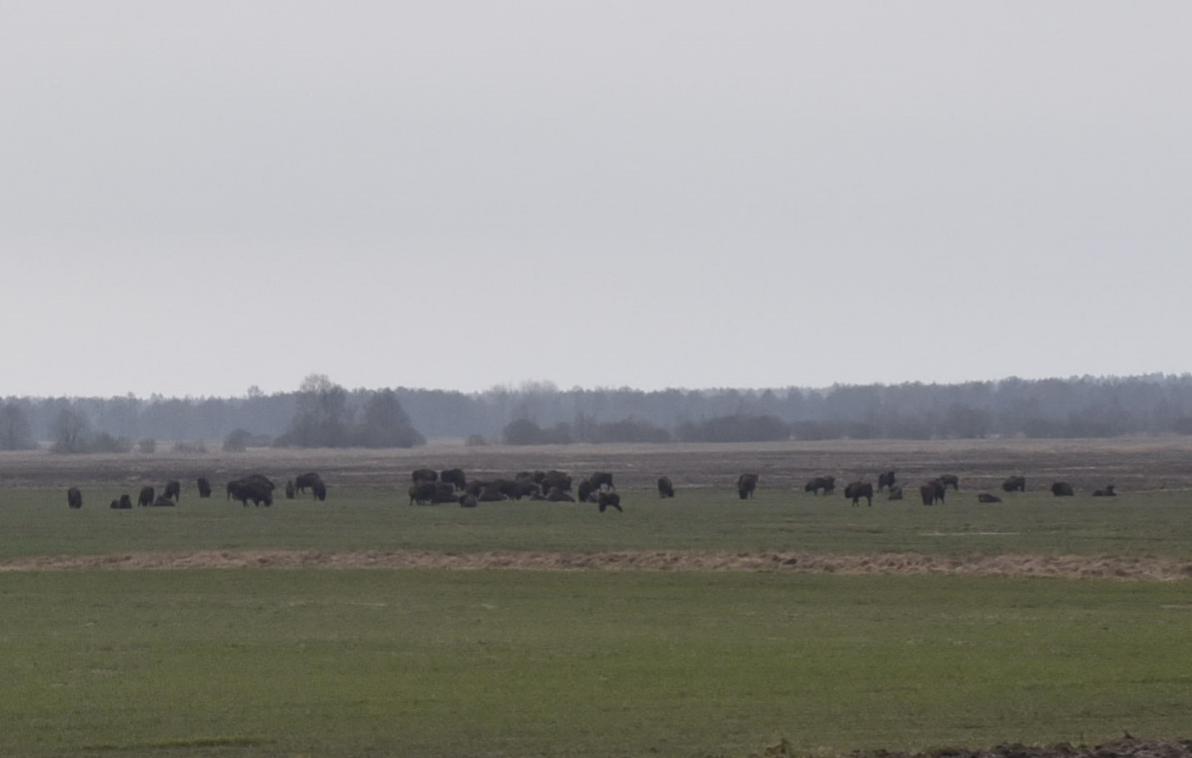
(307, 481)
(1109, 491)
(425, 475)
(125, 502)
(163, 502)
(203, 486)
(949, 480)
(467, 501)
(74, 498)
(1014, 484)
(553, 479)
(601, 480)
(746, 486)
(585, 491)
(606, 499)
(1062, 489)
(557, 495)
(289, 489)
(173, 490)
(933, 492)
(858, 490)
(319, 490)
(255, 487)
(884, 480)
(985, 497)
(826, 484)
(422, 493)
(665, 487)
(147, 496)
(455, 477)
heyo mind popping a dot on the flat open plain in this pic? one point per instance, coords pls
(699, 626)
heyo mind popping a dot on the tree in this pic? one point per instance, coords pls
(15, 431)
(385, 423)
(70, 430)
(322, 416)
(237, 441)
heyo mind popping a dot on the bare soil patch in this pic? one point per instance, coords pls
(905, 564)
(1123, 748)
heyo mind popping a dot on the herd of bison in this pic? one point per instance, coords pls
(432, 487)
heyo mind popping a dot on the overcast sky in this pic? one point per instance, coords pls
(196, 197)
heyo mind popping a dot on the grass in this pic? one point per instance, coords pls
(37, 522)
(347, 663)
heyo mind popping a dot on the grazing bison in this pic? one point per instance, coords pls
(290, 490)
(985, 497)
(949, 480)
(307, 481)
(74, 498)
(425, 475)
(1014, 484)
(254, 487)
(1062, 489)
(557, 495)
(147, 496)
(858, 490)
(125, 502)
(115, 504)
(933, 492)
(1109, 491)
(163, 502)
(826, 484)
(885, 479)
(455, 477)
(896, 492)
(467, 501)
(422, 493)
(204, 487)
(746, 485)
(319, 490)
(173, 490)
(665, 487)
(608, 499)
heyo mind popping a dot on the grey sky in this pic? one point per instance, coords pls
(200, 196)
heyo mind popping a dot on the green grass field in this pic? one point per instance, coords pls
(37, 522)
(346, 663)
(594, 663)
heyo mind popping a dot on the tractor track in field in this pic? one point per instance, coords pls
(885, 564)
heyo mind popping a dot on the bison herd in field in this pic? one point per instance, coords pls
(432, 487)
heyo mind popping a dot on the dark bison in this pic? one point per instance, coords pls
(523, 488)
(586, 492)
(422, 493)
(746, 485)
(608, 499)
(455, 477)
(319, 490)
(858, 490)
(1014, 484)
(985, 497)
(125, 502)
(826, 484)
(255, 487)
(425, 475)
(203, 486)
(307, 481)
(1062, 489)
(552, 479)
(290, 490)
(1109, 491)
(557, 495)
(163, 502)
(665, 487)
(601, 480)
(949, 480)
(74, 498)
(147, 496)
(896, 492)
(490, 493)
(885, 479)
(173, 490)
(467, 501)
(933, 492)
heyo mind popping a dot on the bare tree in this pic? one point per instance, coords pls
(70, 430)
(15, 431)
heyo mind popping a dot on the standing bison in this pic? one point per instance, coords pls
(885, 479)
(858, 490)
(1014, 484)
(307, 481)
(74, 498)
(949, 480)
(455, 477)
(824, 484)
(665, 487)
(601, 480)
(933, 492)
(147, 496)
(607, 499)
(173, 490)
(204, 487)
(425, 475)
(746, 486)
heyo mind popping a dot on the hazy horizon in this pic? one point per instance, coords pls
(196, 198)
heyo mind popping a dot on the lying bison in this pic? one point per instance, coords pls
(746, 486)
(147, 496)
(858, 490)
(74, 498)
(203, 485)
(173, 490)
(124, 503)
(1062, 489)
(557, 495)
(1108, 491)
(467, 501)
(985, 497)
(665, 487)
(885, 479)
(824, 484)
(1014, 484)
(163, 502)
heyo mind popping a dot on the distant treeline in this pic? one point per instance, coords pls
(1076, 407)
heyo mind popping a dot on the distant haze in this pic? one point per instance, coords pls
(200, 196)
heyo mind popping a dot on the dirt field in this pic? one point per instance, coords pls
(1132, 464)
